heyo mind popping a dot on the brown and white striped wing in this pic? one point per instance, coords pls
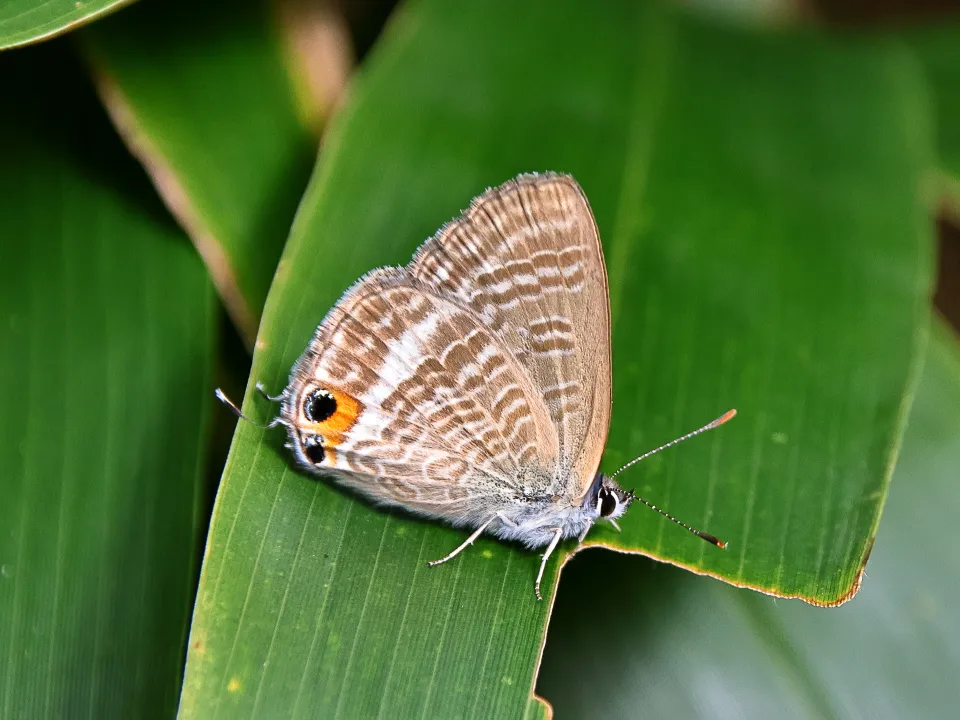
(526, 257)
(434, 411)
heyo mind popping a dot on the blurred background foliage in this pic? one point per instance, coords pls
(152, 163)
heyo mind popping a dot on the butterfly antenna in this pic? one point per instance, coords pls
(709, 426)
(221, 396)
(699, 533)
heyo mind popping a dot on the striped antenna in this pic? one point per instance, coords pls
(709, 426)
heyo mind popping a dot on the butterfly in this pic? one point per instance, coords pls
(473, 385)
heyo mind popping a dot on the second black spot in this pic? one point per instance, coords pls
(315, 453)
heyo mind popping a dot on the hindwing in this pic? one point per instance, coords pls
(441, 416)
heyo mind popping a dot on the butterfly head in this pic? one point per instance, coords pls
(610, 501)
(606, 500)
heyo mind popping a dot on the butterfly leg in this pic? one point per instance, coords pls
(272, 398)
(467, 543)
(557, 532)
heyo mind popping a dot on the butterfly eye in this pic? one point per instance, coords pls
(315, 453)
(608, 503)
(319, 406)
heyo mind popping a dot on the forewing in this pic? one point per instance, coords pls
(526, 257)
(438, 415)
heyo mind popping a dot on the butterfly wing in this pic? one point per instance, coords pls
(526, 258)
(434, 412)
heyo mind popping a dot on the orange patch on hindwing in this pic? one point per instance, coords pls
(335, 427)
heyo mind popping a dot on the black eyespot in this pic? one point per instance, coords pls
(608, 503)
(319, 406)
(315, 453)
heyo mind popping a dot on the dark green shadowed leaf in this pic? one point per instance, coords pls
(106, 368)
(937, 47)
(766, 251)
(28, 21)
(685, 647)
(216, 126)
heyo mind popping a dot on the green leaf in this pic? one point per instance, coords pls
(767, 249)
(216, 126)
(936, 47)
(104, 420)
(684, 647)
(29, 21)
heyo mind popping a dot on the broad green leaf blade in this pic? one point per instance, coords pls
(108, 323)
(216, 126)
(773, 256)
(690, 648)
(766, 250)
(29, 21)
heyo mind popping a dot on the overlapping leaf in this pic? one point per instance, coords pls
(209, 109)
(28, 21)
